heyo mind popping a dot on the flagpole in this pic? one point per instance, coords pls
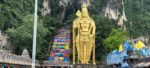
(34, 35)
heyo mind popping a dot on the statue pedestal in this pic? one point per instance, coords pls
(84, 66)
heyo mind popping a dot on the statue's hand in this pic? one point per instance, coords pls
(91, 36)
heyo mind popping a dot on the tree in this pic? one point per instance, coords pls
(103, 28)
(115, 38)
(21, 36)
(11, 12)
(138, 17)
(97, 6)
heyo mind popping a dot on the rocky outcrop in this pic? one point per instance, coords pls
(46, 8)
(123, 18)
(87, 2)
(145, 39)
(4, 43)
(112, 12)
(112, 9)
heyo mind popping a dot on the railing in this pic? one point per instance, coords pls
(69, 65)
(15, 59)
(47, 63)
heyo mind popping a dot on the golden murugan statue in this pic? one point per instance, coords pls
(84, 36)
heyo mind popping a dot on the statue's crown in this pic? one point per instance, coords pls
(84, 6)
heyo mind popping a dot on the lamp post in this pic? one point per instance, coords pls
(34, 35)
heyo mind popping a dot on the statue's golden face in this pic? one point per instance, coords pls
(85, 24)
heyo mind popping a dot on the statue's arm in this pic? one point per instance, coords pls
(93, 33)
(94, 27)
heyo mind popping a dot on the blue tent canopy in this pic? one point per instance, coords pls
(127, 46)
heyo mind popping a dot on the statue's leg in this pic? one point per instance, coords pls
(84, 53)
(81, 51)
(78, 48)
(88, 51)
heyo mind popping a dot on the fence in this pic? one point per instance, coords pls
(10, 61)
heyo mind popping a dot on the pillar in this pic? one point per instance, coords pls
(48, 67)
(3, 65)
(8, 65)
(0, 65)
(16, 66)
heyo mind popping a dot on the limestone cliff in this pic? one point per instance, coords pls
(46, 8)
(4, 43)
(112, 11)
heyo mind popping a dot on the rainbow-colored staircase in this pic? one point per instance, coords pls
(60, 52)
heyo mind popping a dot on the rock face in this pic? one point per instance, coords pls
(112, 12)
(46, 8)
(142, 38)
(112, 9)
(87, 2)
(64, 2)
(4, 43)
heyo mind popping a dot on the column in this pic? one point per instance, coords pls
(48, 67)
(43, 67)
(0, 65)
(8, 65)
(3, 65)
(17, 66)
